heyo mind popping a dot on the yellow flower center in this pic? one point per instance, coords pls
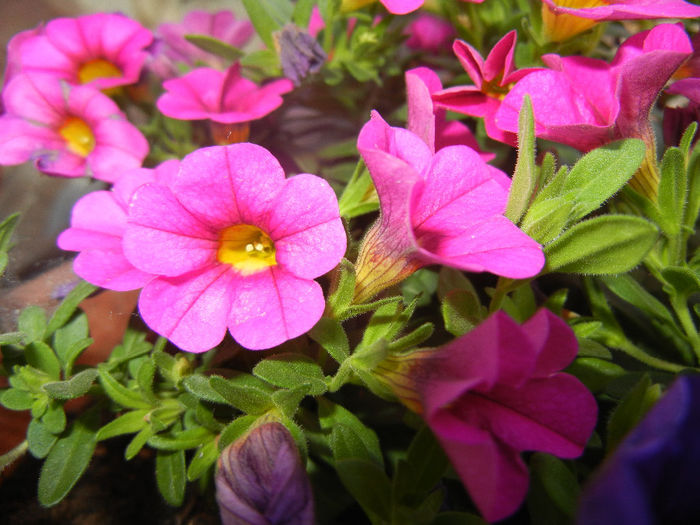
(78, 136)
(561, 27)
(97, 68)
(247, 248)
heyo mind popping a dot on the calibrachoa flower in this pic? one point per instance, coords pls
(443, 208)
(493, 393)
(67, 130)
(234, 243)
(261, 480)
(98, 221)
(223, 97)
(430, 33)
(104, 50)
(492, 78)
(171, 47)
(397, 7)
(566, 18)
(652, 477)
(586, 102)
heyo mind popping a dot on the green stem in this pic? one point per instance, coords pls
(13, 455)
(640, 355)
(680, 306)
(503, 287)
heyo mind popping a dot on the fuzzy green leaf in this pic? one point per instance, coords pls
(128, 423)
(329, 333)
(244, 392)
(68, 306)
(42, 357)
(170, 475)
(39, 439)
(118, 392)
(291, 371)
(525, 176)
(76, 386)
(32, 322)
(215, 46)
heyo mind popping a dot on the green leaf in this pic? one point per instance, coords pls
(427, 463)
(12, 338)
(633, 406)
(412, 339)
(166, 364)
(359, 196)
(603, 245)
(170, 476)
(600, 174)
(683, 280)
(264, 63)
(387, 322)
(76, 386)
(244, 392)
(133, 345)
(39, 439)
(128, 423)
(118, 392)
(595, 373)
(198, 385)
(184, 440)
(462, 311)
(302, 12)
(673, 191)
(4, 260)
(203, 458)
(145, 374)
(558, 481)
(546, 219)
(369, 485)
(693, 170)
(262, 20)
(554, 187)
(68, 459)
(235, 429)
(137, 443)
(215, 46)
(292, 370)
(420, 285)
(54, 419)
(329, 333)
(7, 227)
(524, 177)
(288, 400)
(42, 357)
(70, 340)
(16, 399)
(332, 415)
(344, 289)
(32, 322)
(687, 138)
(68, 306)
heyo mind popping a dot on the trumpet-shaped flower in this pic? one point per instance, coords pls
(224, 97)
(233, 243)
(443, 208)
(493, 393)
(493, 78)
(172, 48)
(103, 50)
(586, 102)
(566, 18)
(67, 130)
(98, 221)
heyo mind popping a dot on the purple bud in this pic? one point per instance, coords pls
(261, 481)
(300, 54)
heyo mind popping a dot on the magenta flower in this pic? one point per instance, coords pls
(224, 97)
(586, 103)
(14, 57)
(397, 7)
(492, 78)
(66, 130)
(443, 208)
(98, 221)
(104, 50)
(566, 18)
(493, 393)
(172, 48)
(231, 242)
(430, 33)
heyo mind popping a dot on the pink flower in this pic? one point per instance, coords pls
(493, 393)
(443, 208)
(173, 48)
(586, 103)
(66, 130)
(14, 58)
(232, 242)
(224, 97)
(397, 7)
(104, 50)
(492, 78)
(428, 122)
(566, 18)
(430, 33)
(98, 221)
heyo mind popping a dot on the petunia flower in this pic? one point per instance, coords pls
(67, 130)
(103, 50)
(444, 208)
(172, 48)
(262, 481)
(492, 78)
(233, 243)
(430, 33)
(563, 19)
(224, 97)
(652, 476)
(98, 221)
(396, 7)
(493, 393)
(586, 102)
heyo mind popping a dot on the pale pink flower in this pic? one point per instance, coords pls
(222, 96)
(492, 78)
(493, 393)
(444, 208)
(233, 243)
(67, 130)
(430, 33)
(98, 221)
(104, 50)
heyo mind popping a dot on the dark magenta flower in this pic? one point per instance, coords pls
(261, 480)
(652, 477)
